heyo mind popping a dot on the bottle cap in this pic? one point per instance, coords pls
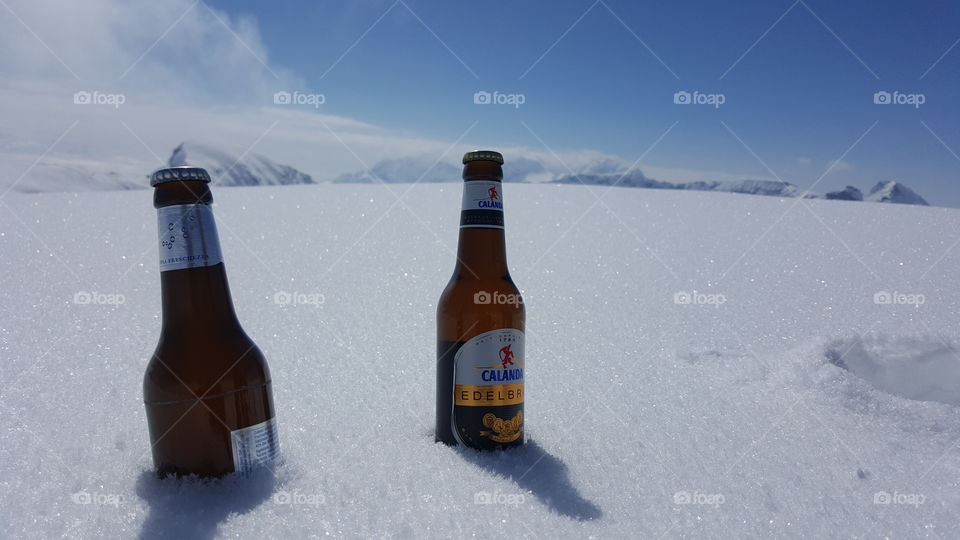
(483, 155)
(179, 174)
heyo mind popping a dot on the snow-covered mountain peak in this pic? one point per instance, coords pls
(895, 192)
(236, 169)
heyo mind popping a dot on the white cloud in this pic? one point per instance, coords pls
(187, 72)
(839, 166)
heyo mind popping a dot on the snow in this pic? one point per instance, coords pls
(701, 365)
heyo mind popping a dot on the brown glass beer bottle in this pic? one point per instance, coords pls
(207, 387)
(480, 323)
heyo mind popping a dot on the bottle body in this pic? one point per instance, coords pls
(207, 388)
(480, 328)
(198, 427)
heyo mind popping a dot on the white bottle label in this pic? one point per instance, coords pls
(482, 205)
(255, 446)
(188, 237)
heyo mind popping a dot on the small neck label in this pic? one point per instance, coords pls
(187, 237)
(482, 205)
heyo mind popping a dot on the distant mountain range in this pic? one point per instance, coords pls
(254, 169)
(886, 192)
(230, 168)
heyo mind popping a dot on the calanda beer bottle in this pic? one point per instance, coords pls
(207, 387)
(480, 323)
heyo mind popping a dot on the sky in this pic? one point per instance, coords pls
(774, 90)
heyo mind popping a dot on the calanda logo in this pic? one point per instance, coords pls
(501, 372)
(492, 200)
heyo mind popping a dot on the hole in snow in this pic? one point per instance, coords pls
(920, 368)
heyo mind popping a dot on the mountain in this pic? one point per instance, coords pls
(232, 169)
(895, 192)
(628, 179)
(638, 179)
(848, 193)
(405, 169)
(750, 187)
(886, 192)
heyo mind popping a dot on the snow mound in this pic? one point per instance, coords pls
(228, 168)
(919, 368)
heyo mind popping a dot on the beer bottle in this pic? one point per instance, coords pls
(207, 387)
(480, 323)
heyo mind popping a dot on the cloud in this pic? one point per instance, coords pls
(840, 166)
(178, 49)
(185, 71)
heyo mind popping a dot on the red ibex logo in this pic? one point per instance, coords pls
(492, 194)
(506, 356)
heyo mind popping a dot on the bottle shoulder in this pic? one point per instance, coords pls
(190, 366)
(469, 307)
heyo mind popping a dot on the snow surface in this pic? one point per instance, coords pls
(781, 401)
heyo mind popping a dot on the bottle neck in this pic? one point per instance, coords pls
(481, 254)
(197, 300)
(193, 279)
(481, 251)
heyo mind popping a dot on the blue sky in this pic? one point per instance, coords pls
(799, 98)
(598, 81)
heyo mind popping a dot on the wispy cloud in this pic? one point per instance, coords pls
(134, 81)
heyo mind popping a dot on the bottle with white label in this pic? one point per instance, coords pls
(207, 387)
(480, 323)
